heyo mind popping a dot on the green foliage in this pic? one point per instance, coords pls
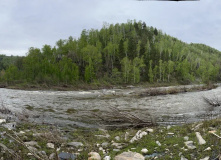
(129, 53)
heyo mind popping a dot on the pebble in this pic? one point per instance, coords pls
(208, 149)
(144, 150)
(117, 138)
(186, 138)
(158, 143)
(190, 145)
(107, 158)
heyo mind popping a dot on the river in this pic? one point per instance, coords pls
(77, 108)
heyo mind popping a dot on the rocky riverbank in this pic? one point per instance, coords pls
(34, 141)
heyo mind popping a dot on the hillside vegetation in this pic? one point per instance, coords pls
(126, 53)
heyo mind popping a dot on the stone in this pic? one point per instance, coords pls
(126, 137)
(208, 149)
(21, 132)
(2, 121)
(101, 149)
(158, 143)
(94, 156)
(107, 158)
(183, 158)
(118, 145)
(32, 143)
(105, 144)
(117, 138)
(206, 158)
(144, 150)
(170, 133)
(129, 156)
(32, 149)
(186, 138)
(103, 136)
(168, 127)
(29, 154)
(75, 144)
(10, 126)
(52, 156)
(65, 156)
(190, 145)
(201, 141)
(116, 150)
(138, 136)
(149, 130)
(50, 145)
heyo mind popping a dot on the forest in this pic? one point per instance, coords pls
(127, 53)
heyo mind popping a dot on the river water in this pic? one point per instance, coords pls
(77, 108)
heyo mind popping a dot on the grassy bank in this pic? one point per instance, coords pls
(112, 142)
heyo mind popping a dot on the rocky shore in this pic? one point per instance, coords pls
(25, 140)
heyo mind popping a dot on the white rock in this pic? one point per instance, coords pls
(75, 144)
(29, 154)
(52, 156)
(144, 150)
(206, 158)
(22, 132)
(208, 149)
(126, 136)
(138, 136)
(183, 158)
(190, 145)
(186, 138)
(149, 130)
(168, 127)
(117, 138)
(170, 133)
(129, 156)
(2, 121)
(107, 158)
(101, 149)
(50, 145)
(94, 156)
(200, 138)
(158, 143)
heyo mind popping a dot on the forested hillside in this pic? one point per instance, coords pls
(117, 54)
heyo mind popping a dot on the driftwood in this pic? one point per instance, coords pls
(213, 101)
(116, 118)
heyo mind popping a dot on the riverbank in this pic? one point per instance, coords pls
(99, 86)
(34, 141)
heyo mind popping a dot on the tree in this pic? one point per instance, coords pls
(150, 73)
(126, 68)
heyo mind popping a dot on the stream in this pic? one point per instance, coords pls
(77, 108)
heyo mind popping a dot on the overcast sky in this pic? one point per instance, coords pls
(33, 23)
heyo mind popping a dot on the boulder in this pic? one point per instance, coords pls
(129, 156)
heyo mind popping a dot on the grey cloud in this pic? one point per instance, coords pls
(26, 23)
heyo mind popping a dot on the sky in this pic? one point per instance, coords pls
(34, 23)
